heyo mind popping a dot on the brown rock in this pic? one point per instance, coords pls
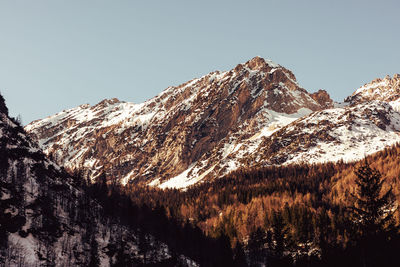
(323, 98)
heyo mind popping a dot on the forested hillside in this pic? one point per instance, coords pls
(296, 213)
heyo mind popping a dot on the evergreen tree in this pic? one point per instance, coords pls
(3, 107)
(94, 260)
(239, 256)
(222, 252)
(279, 241)
(144, 245)
(372, 215)
(256, 248)
(279, 233)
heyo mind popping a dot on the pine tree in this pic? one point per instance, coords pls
(372, 215)
(3, 107)
(373, 211)
(279, 233)
(256, 248)
(94, 260)
(144, 245)
(240, 256)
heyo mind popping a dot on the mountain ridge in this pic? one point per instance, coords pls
(386, 89)
(203, 128)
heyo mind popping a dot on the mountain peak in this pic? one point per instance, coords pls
(107, 102)
(386, 89)
(323, 98)
(259, 63)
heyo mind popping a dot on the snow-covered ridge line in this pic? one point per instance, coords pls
(386, 89)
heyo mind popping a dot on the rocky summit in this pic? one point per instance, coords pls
(254, 114)
(386, 89)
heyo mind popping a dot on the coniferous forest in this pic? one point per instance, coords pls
(333, 214)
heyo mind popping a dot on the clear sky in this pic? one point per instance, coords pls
(58, 54)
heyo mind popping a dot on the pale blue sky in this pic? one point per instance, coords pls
(58, 54)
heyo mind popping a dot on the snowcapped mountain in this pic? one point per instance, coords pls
(254, 114)
(202, 127)
(46, 219)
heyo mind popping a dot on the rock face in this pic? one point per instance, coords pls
(323, 98)
(189, 130)
(254, 114)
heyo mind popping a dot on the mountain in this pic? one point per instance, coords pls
(254, 114)
(48, 219)
(205, 126)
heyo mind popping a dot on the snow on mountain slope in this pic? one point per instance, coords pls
(202, 128)
(345, 133)
(386, 89)
(232, 152)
